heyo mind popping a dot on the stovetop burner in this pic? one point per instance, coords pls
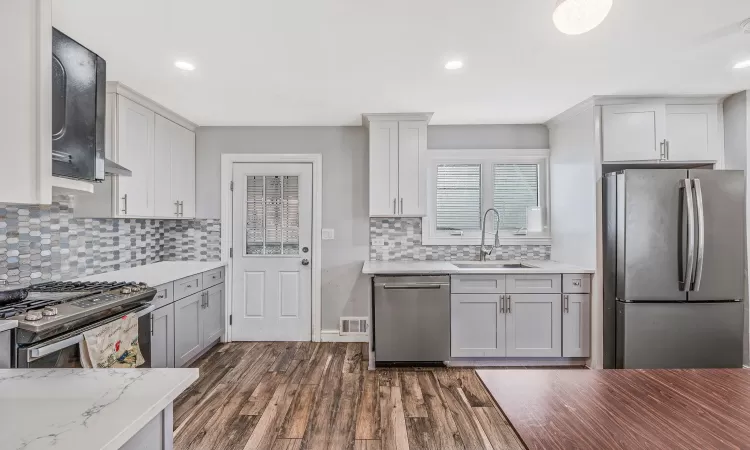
(55, 293)
(73, 286)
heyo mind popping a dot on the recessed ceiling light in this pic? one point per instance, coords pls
(580, 16)
(184, 65)
(742, 64)
(453, 65)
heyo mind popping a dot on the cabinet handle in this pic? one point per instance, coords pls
(508, 297)
(666, 148)
(502, 304)
(566, 303)
(402, 205)
(182, 209)
(125, 204)
(663, 150)
(152, 324)
(394, 206)
(177, 205)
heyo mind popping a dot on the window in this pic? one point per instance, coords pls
(463, 184)
(459, 197)
(272, 220)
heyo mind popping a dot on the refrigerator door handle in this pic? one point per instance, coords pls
(701, 235)
(687, 275)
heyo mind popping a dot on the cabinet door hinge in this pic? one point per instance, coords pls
(230, 319)
(231, 252)
(231, 185)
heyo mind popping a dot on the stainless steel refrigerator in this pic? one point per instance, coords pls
(674, 264)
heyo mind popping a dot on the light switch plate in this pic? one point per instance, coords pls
(327, 234)
(378, 242)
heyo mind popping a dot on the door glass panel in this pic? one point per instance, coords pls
(272, 225)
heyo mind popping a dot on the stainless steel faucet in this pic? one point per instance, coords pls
(483, 252)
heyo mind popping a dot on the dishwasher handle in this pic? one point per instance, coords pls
(413, 286)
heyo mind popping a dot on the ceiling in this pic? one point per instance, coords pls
(324, 62)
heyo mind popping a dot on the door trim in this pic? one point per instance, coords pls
(227, 161)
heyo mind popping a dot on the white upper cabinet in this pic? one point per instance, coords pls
(135, 151)
(632, 132)
(692, 132)
(661, 132)
(174, 183)
(398, 170)
(158, 147)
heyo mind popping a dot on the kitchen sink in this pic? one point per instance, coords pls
(493, 265)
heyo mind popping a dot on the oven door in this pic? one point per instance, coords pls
(64, 351)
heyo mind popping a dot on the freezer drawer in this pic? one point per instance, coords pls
(412, 319)
(679, 335)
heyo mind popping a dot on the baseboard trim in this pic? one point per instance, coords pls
(517, 362)
(334, 336)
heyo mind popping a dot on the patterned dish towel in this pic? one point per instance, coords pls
(112, 345)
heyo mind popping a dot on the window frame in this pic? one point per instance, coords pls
(487, 158)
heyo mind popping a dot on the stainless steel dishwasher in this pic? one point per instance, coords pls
(412, 319)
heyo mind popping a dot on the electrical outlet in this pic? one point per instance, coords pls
(327, 234)
(378, 242)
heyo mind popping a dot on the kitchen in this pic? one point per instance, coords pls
(283, 262)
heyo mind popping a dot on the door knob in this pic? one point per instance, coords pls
(305, 262)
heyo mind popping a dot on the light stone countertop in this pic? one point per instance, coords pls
(448, 268)
(157, 273)
(82, 409)
(6, 325)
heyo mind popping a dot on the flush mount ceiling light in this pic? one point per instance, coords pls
(580, 16)
(742, 64)
(184, 65)
(453, 65)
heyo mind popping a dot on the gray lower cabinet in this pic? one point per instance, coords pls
(477, 325)
(5, 350)
(576, 325)
(188, 328)
(534, 325)
(213, 325)
(162, 337)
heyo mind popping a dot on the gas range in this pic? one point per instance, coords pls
(55, 307)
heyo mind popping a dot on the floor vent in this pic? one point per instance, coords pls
(353, 325)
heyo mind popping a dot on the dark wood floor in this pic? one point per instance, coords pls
(288, 396)
(626, 409)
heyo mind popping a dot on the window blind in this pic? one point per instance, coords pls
(459, 196)
(515, 186)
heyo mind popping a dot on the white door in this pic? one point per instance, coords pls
(135, 150)
(412, 167)
(692, 132)
(164, 205)
(632, 132)
(272, 264)
(533, 325)
(183, 171)
(383, 168)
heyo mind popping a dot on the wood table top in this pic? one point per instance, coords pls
(625, 409)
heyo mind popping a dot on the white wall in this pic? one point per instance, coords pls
(575, 173)
(736, 145)
(345, 188)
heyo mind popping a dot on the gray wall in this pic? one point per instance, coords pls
(736, 143)
(345, 189)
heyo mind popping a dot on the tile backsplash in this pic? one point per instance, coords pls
(45, 242)
(403, 241)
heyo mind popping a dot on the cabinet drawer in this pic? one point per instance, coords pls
(577, 283)
(164, 295)
(533, 284)
(477, 284)
(188, 286)
(213, 277)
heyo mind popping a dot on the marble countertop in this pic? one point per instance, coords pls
(82, 409)
(448, 267)
(6, 325)
(157, 273)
